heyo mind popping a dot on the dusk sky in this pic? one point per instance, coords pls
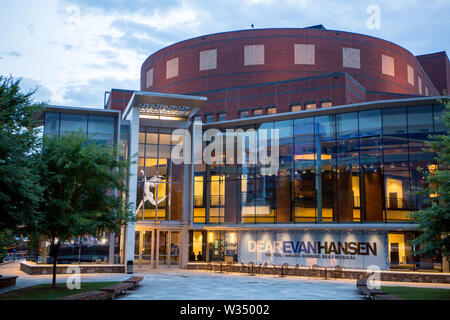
(76, 50)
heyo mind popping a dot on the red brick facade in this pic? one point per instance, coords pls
(231, 86)
(437, 66)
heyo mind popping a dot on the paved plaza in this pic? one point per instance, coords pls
(175, 284)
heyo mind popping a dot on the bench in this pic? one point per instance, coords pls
(7, 281)
(118, 288)
(91, 295)
(375, 294)
(134, 280)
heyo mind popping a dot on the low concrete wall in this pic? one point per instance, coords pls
(329, 273)
(32, 268)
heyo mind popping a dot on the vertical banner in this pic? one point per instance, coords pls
(352, 250)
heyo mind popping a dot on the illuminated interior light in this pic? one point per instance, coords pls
(312, 156)
(159, 117)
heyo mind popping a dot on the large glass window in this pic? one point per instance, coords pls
(102, 129)
(349, 167)
(51, 124)
(73, 122)
(396, 165)
(160, 194)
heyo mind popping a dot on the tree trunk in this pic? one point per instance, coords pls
(79, 249)
(55, 250)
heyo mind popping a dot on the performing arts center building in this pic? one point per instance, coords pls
(299, 146)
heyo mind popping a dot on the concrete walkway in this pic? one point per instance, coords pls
(164, 283)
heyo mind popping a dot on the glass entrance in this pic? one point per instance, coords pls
(143, 248)
(153, 247)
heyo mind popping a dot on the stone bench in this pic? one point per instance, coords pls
(92, 295)
(134, 280)
(118, 288)
(7, 281)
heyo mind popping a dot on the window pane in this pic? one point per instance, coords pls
(51, 125)
(222, 117)
(347, 125)
(296, 108)
(102, 128)
(73, 122)
(420, 120)
(257, 112)
(243, 114)
(325, 129)
(271, 110)
(369, 123)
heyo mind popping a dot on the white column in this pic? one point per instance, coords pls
(133, 116)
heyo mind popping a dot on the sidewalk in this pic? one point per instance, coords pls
(24, 280)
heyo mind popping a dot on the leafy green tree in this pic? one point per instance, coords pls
(80, 180)
(435, 220)
(19, 147)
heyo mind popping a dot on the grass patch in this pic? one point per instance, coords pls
(410, 293)
(45, 291)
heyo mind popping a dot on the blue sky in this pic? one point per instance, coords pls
(76, 50)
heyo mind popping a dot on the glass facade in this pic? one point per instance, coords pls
(159, 191)
(347, 167)
(101, 129)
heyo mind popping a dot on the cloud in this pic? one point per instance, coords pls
(12, 53)
(42, 93)
(91, 94)
(77, 48)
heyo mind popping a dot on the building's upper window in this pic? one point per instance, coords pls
(172, 68)
(243, 114)
(326, 104)
(410, 71)
(222, 116)
(427, 93)
(419, 84)
(310, 106)
(271, 110)
(297, 107)
(351, 58)
(209, 118)
(208, 59)
(387, 65)
(254, 54)
(149, 78)
(304, 54)
(257, 112)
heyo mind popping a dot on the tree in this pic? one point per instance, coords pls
(80, 180)
(435, 220)
(19, 147)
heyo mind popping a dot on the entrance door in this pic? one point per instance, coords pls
(143, 248)
(169, 248)
(157, 247)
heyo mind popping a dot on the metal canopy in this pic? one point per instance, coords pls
(165, 106)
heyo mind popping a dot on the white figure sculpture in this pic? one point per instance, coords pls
(148, 195)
